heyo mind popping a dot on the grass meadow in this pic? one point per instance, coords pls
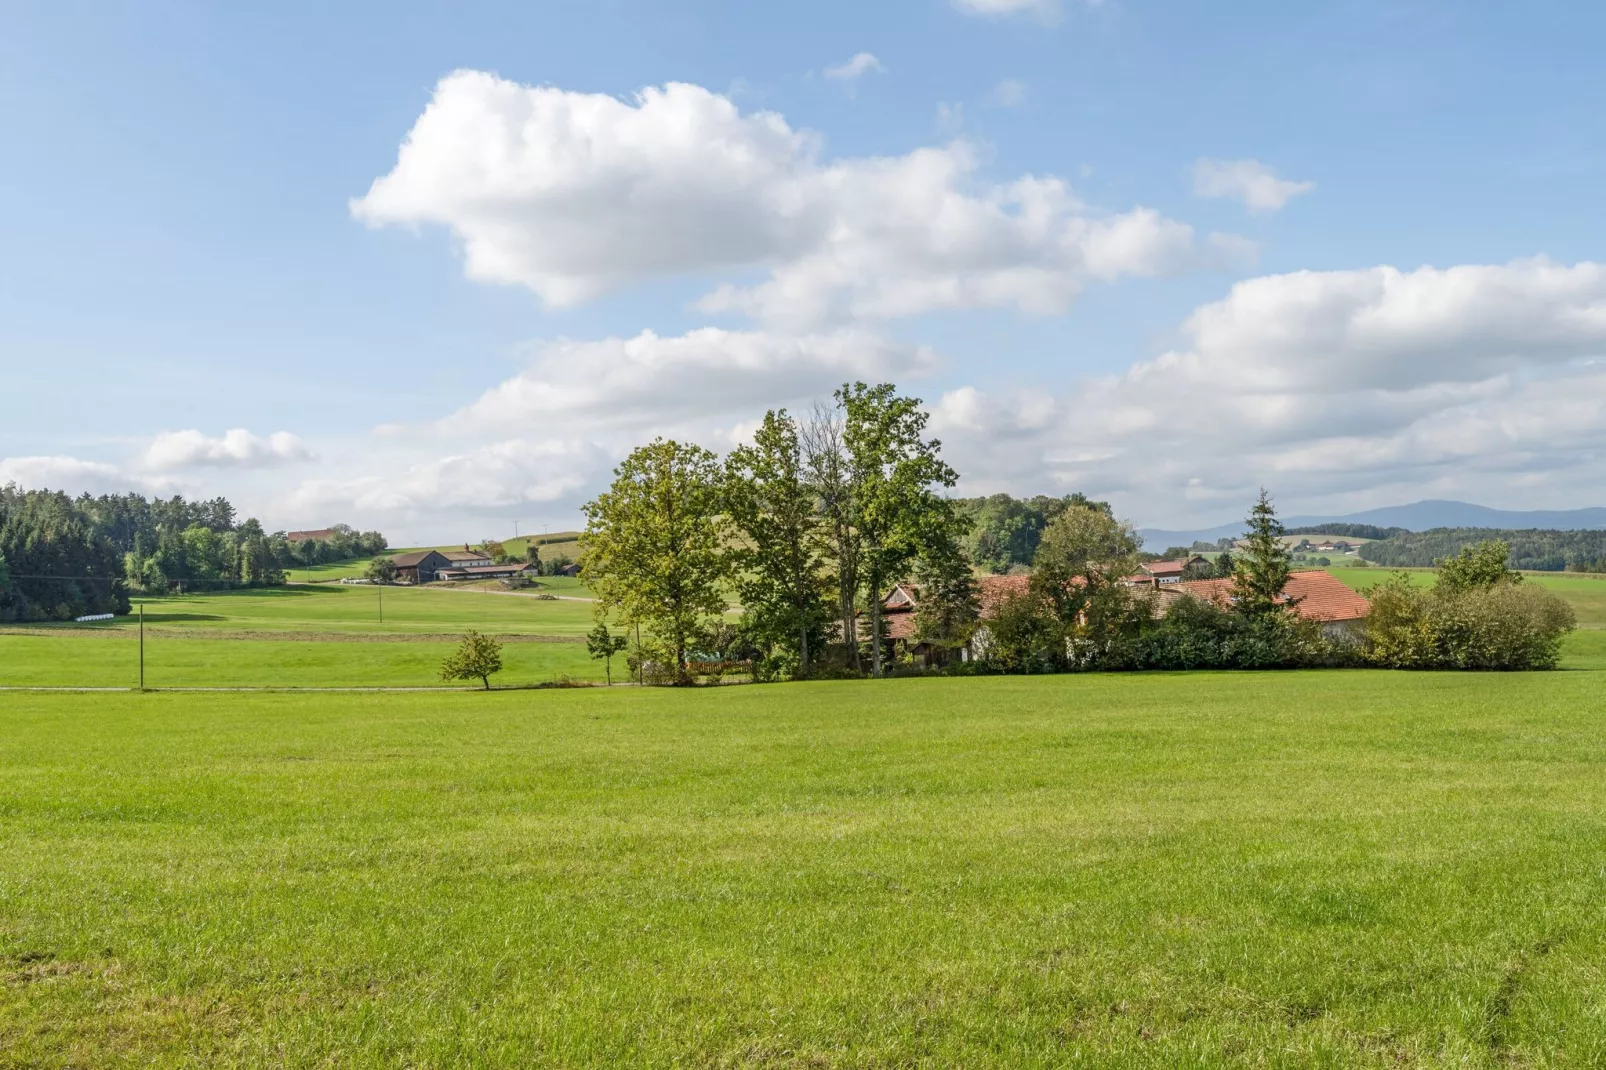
(308, 636)
(1313, 869)
(1340, 868)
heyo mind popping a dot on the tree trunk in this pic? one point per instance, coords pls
(850, 631)
(875, 631)
(486, 680)
(803, 637)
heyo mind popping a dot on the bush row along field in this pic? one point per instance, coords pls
(1301, 868)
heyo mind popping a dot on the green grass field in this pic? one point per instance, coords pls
(1586, 593)
(305, 636)
(1313, 869)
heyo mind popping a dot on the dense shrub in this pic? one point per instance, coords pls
(1196, 634)
(1499, 626)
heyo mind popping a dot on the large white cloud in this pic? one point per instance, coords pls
(652, 382)
(1471, 380)
(572, 194)
(237, 448)
(488, 480)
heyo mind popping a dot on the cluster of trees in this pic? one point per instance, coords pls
(54, 563)
(1005, 531)
(811, 524)
(218, 553)
(1479, 614)
(67, 557)
(1077, 614)
(345, 543)
(1539, 551)
(815, 519)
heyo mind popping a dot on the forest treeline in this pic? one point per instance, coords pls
(1539, 551)
(63, 557)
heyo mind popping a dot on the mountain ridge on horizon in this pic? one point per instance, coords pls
(1417, 516)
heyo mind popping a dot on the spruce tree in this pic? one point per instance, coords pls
(1262, 568)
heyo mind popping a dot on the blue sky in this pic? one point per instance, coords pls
(183, 259)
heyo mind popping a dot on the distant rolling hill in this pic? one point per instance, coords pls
(1418, 516)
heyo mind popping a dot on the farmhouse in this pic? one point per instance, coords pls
(320, 535)
(1157, 573)
(466, 558)
(1316, 595)
(898, 611)
(421, 566)
(488, 572)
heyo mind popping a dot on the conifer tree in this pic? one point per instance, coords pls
(1262, 566)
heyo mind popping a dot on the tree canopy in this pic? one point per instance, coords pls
(654, 548)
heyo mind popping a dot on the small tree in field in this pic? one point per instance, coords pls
(477, 657)
(382, 570)
(601, 643)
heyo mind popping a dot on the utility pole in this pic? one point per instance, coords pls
(142, 646)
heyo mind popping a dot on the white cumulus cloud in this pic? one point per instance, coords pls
(1464, 381)
(861, 64)
(60, 473)
(486, 480)
(1249, 181)
(572, 194)
(1044, 9)
(237, 448)
(651, 381)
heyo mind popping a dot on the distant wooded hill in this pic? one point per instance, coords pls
(1540, 551)
(1418, 516)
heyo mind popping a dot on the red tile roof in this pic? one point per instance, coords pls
(322, 535)
(1321, 596)
(991, 592)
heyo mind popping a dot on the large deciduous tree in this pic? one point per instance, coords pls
(779, 570)
(1084, 558)
(653, 545)
(892, 473)
(826, 459)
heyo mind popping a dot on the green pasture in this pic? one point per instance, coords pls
(304, 636)
(1586, 593)
(330, 573)
(319, 608)
(1278, 869)
(50, 661)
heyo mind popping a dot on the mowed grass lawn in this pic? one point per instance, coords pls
(1329, 869)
